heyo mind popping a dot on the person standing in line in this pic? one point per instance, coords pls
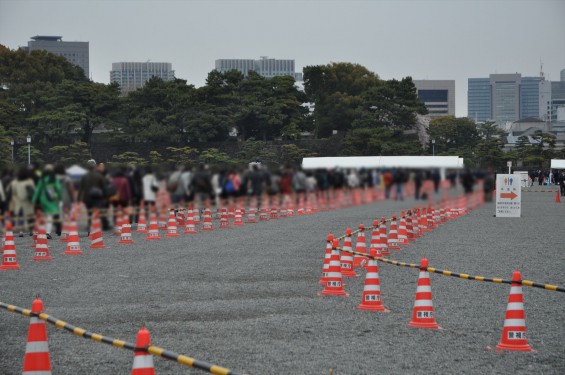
(150, 187)
(22, 189)
(68, 195)
(92, 192)
(48, 195)
(202, 185)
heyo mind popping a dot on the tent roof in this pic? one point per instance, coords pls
(416, 162)
(557, 163)
(76, 170)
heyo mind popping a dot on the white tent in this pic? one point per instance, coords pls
(416, 162)
(557, 163)
(76, 170)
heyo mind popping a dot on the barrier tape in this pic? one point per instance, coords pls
(465, 276)
(151, 349)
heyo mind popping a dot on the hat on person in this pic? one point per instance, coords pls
(91, 163)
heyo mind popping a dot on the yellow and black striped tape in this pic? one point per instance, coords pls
(154, 350)
(554, 288)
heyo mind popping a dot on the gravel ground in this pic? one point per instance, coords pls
(246, 298)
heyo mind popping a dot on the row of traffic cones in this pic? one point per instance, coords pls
(514, 330)
(37, 359)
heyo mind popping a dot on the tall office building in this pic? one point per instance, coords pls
(133, 75)
(506, 97)
(74, 52)
(266, 67)
(437, 95)
(479, 99)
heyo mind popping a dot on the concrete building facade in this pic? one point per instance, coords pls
(265, 66)
(75, 52)
(437, 95)
(133, 75)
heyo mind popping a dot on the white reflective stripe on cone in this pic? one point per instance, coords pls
(37, 347)
(515, 306)
(37, 373)
(516, 290)
(372, 288)
(372, 275)
(334, 275)
(423, 302)
(142, 361)
(423, 289)
(519, 323)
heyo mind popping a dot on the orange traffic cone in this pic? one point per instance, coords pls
(190, 227)
(423, 313)
(142, 221)
(96, 237)
(514, 331)
(172, 225)
(371, 299)
(238, 220)
(384, 240)
(252, 215)
(327, 258)
(196, 213)
(65, 229)
(274, 214)
(430, 218)
(73, 244)
(224, 219)
(142, 361)
(346, 260)
(376, 239)
(410, 227)
(9, 259)
(207, 225)
(41, 246)
(393, 235)
(334, 285)
(153, 232)
(360, 246)
(119, 222)
(36, 359)
(125, 235)
(402, 230)
(423, 221)
(557, 197)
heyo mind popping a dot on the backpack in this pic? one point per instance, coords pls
(228, 186)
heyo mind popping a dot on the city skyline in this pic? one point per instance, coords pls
(435, 40)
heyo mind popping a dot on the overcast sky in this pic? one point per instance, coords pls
(424, 39)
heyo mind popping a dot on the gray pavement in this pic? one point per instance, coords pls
(246, 298)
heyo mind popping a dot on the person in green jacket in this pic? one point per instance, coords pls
(48, 195)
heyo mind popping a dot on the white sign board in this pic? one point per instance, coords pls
(508, 195)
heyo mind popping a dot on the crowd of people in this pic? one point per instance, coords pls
(52, 191)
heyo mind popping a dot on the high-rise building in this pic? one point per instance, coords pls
(265, 67)
(74, 52)
(506, 98)
(479, 99)
(437, 95)
(133, 75)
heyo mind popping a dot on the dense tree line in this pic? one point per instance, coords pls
(50, 99)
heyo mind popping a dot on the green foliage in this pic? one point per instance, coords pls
(291, 154)
(75, 153)
(453, 136)
(376, 142)
(128, 158)
(254, 150)
(213, 156)
(181, 155)
(155, 158)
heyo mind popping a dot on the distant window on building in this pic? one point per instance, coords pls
(427, 96)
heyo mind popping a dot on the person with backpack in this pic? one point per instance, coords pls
(202, 185)
(48, 195)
